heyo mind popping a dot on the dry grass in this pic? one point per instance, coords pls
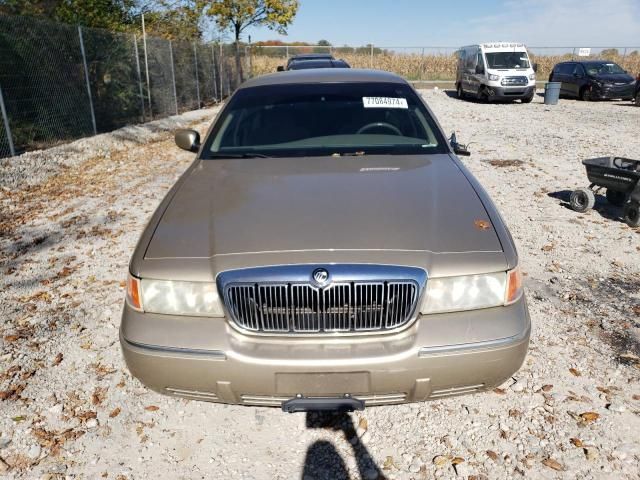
(414, 66)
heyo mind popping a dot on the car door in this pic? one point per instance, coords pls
(565, 76)
(577, 80)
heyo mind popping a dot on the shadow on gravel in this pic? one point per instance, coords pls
(604, 208)
(324, 461)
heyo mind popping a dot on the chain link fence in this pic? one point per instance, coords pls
(60, 82)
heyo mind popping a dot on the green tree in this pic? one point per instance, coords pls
(110, 14)
(238, 15)
(174, 20)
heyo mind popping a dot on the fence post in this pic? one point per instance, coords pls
(220, 60)
(371, 62)
(146, 65)
(213, 68)
(135, 49)
(195, 58)
(5, 120)
(173, 75)
(86, 77)
(287, 51)
(624, 55)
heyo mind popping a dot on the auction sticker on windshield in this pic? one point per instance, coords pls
(384, 102)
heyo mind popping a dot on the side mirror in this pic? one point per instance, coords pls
(458, 148)
(535, 67)
(479, 69)
(188, 140)
(280, 68)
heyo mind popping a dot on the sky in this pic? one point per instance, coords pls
(396, 23)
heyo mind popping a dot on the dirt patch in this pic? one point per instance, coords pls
(505, 163)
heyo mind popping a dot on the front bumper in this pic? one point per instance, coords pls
(612, 92)
(511, 93)
(437, 356)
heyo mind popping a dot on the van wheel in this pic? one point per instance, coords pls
(483, 96)
(616, 197)
(632, 214)
(582, 199)
(528, 99)
(460, 92)
(585, 94)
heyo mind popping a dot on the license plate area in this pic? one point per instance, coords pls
(327, 384)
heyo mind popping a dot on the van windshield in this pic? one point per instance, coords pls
(507, 60)
(318, 119)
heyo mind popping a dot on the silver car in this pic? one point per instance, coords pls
(325, 250)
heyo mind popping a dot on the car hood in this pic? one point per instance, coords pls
(380, 202)
(614, 78)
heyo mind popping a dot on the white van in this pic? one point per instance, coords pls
(495, 71)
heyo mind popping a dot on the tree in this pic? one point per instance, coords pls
(174, 19)
(238, 15)
(109, 14)
(609, 52)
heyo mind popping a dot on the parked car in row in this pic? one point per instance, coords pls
(326, 249)
(636, 94)
(313, 60)
(495, 71)
(593, 80)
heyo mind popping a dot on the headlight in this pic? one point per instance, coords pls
(175, 298)
(471, 292)
(532, 76)
(494, 78)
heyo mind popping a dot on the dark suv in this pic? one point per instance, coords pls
(636, 95)
(593, 80)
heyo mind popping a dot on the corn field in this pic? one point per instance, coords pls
(415, 66)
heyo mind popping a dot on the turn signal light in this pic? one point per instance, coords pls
(514, 285)
(133, 292)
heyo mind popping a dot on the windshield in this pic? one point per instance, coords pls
(507, 60)
(603, 68)
(324, 119)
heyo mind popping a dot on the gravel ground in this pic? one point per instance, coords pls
(69, 408)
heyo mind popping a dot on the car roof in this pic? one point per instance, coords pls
(318, 63)
(302, 56)
(586, 61)
(324, 75)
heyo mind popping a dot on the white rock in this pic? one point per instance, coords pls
(34, 451)
(56, 409)
(92, 423)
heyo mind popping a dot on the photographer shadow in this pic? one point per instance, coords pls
(323, 460)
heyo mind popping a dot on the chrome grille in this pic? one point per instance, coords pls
(305, 308)
(513, 81)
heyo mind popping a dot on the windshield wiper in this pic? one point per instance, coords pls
(238, 155)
